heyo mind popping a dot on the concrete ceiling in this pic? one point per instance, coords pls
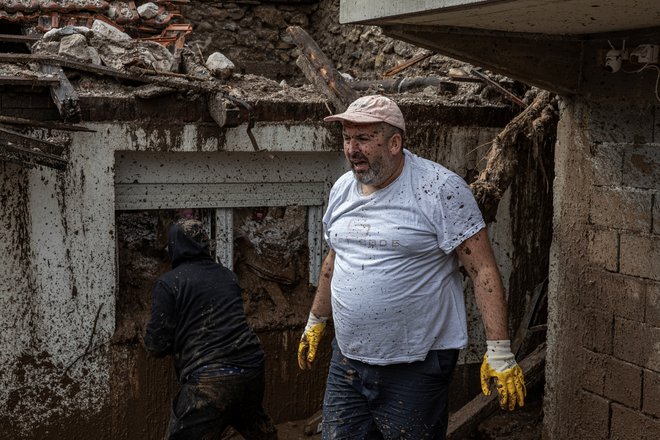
(552, 17)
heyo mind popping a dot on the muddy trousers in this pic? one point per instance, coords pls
(400, 401)
(206, 406)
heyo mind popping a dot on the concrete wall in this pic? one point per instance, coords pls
(58, 284)
(603, 365)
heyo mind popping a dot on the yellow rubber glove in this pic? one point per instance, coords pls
(500, 364)
(309, 341)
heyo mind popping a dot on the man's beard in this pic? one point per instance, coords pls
(372, 176)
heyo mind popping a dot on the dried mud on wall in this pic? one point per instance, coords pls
(142, 387)
(271, 262)
(41, 393)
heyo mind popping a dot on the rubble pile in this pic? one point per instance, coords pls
(147, 18)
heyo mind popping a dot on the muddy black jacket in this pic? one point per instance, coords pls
(197, 312)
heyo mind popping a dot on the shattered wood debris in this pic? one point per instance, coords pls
(10, 120)
(525, 129)
(464, 421)
(320, 71)
(28, 151)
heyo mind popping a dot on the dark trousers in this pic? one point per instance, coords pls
(399, 401)
(207, 405)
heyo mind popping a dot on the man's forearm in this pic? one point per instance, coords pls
(489, 294)
(478, 259)
(321, 305)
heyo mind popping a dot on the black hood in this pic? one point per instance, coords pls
(182, 248)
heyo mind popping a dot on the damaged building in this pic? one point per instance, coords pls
(114, 116)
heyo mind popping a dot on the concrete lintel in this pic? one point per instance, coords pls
(551, 63)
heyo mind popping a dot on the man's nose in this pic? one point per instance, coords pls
(352, 145)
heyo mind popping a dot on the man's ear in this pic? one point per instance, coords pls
(395, 143)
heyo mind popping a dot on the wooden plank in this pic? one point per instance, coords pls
(29, 157)
(63, 94)
(411, 62)
(510, 96)
(321, 71)
(10, 38)
(523, 329)
(11, 120)
(28, 81)
(313, 424)
(319, 83)
(16, 138)
(464, 421)
(398, 85)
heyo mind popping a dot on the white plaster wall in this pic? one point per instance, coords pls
(58, 309)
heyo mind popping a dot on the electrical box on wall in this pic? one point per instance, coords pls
(644, 54)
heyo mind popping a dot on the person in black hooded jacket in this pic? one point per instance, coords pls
(197, 317)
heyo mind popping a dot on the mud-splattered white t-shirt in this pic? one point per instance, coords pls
(396, 289)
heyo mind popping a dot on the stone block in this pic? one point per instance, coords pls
(637, 343)
(623, 383)
(617, 122)
(594, 415)
(653, 304)
(628, 424)
(656, 214)
(621, 208)
(656, 131)
(604, 249)
(622, 295)
(640, 255)
(651, 393)
(607, 164)
(592, 374)
(596, 330)
(641, 166)
(651, 343)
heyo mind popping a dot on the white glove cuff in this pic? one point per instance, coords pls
(313, 320)
(499, 354)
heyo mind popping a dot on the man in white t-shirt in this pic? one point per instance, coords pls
(397, 226)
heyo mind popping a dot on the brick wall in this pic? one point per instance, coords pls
(610, 341)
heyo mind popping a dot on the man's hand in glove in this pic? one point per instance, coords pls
(500, 364)
(309, 341)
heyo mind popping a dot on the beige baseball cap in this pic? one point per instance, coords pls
(371, 109)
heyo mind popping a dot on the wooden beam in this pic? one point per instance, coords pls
(11, 120)
(30, 158)
(510, 96)
(320, 70)
(411, 62)
(10, 38)
(397, 85)
(28, 81)
(464, 421)
(166, 79)
(56, 60)
(63, 94)
(15, 138)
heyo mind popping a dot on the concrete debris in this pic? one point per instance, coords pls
(74, 46)
(220, 66)
(58, 34)
(104, 45)
(123, 13)
(148, 10)
(107, 31)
